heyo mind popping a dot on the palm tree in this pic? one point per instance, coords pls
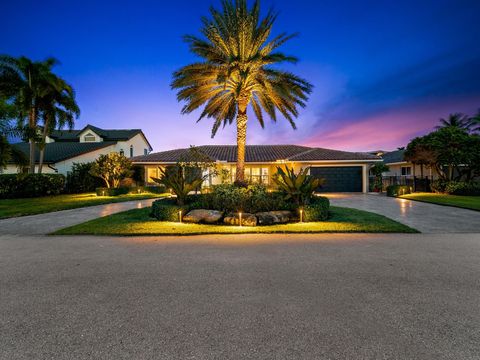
(237, 70)
(57, 108)
(24, 80)
(475, 122)
(9, 153)
(457, 120)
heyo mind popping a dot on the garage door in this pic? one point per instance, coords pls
(339, 179)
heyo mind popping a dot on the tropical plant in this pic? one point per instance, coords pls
(180, 180)
(111, 168)
(456, 120)
(475, 122)
(299, 187)
(22, 82)
(237, 70)
(58, 109)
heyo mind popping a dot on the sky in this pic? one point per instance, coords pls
(383, 71)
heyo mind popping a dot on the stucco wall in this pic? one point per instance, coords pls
(396, 170)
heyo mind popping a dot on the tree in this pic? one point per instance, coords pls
(457, 120)
(23, 82)
(475, 122)
(377, 171)
(237, 70)
(9, 153)
(111, 168)
(58, 108)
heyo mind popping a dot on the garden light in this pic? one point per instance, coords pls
(240, 219)
(180, 216)
(301, 215)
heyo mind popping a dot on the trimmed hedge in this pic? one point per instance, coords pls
(471, 188)
(30, 185)
(317, 210)
(397, 190)
(168, 210)
(156, 189)
(103, 191)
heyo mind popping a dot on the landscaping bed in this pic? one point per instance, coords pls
(139, 222)
(31, 206)
(461, 201)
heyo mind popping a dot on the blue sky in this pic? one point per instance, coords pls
(383, 71)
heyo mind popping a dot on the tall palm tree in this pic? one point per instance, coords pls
(57, 109)
(475, 122)
(237, 70)
(457, 120)
(24, 81)
(9, 153)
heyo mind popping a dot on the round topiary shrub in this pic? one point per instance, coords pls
(168, 210)
(317, 210)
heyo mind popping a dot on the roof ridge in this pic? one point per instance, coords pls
(302, 153)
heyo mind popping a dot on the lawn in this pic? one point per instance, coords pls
(467, 202)
(30, 206)
(138, 222)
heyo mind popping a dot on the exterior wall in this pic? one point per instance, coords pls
(137, 142)
(255, 168)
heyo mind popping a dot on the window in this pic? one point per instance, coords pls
(122, 152)
(145, 151)
(131, 150)
(257, 175)
(89, 138)
(406, 170)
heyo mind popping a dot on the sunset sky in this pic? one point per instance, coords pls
(383, 71)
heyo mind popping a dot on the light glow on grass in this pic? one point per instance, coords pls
(137, 222)
(461, 201)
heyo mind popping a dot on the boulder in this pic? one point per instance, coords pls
(203, 216)
(247, 219)
(274, 217)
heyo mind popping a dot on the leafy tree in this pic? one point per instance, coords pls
(237, 70)
(297, 187)
(111, 168)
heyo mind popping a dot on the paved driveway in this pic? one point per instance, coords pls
(334, 296)
(47, 223)
(428, 218)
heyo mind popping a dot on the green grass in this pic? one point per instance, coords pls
(138, 222)
(466, 202)
(30, 206)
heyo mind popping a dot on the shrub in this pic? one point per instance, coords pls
(231, 198)
(181, 180)
(79, 179)
(30, 185)
(168, 210)
(317, 210)
(471, 188)
(396, 190)
(156, 189)
(103, 191)
(299, 187)
(111, 168)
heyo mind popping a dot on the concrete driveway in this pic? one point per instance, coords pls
(49, 222)
(427, 218)
(334, 296)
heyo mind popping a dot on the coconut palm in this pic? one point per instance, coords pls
(237, 70)
(457, 120)
(475, 122)
(23, 81)
(57, 108)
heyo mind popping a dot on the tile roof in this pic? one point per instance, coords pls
(58, 151)
(256, 153)
(393, 156)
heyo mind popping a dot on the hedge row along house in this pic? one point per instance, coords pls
(65, 147)
(343, 171)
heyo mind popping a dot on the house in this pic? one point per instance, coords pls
(65, 147)
(343, 171)
(400, 167)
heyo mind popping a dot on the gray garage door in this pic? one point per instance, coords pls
(339, 179)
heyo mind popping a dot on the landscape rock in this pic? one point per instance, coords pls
(203, 216)
(274, 217)
(247, 219)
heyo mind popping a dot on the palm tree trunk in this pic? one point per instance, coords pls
(31, 125)
(241, 143)
(42, 146)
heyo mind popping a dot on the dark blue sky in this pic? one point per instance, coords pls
(384, 71)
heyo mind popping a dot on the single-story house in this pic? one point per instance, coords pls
(400, 167)
(343, 171)
(65, 147)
